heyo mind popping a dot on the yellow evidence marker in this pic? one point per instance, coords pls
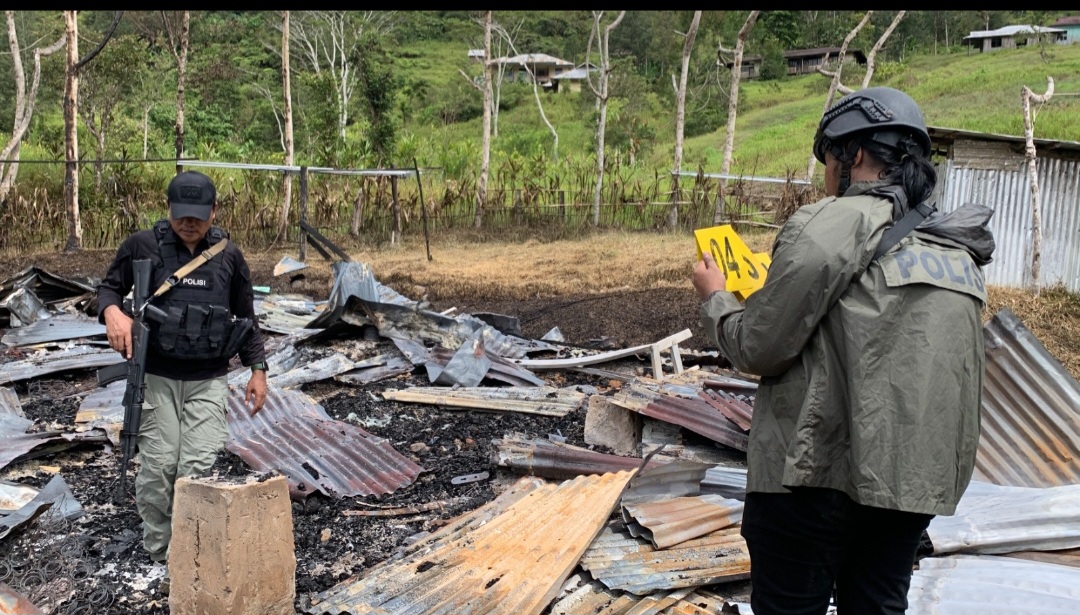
(745, 270)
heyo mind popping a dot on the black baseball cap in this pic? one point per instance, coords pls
(191, 195)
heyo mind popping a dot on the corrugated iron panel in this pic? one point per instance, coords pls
(58, 328)
(693, 414)
(672, 479)
(1067, 557)
(1009, 193)
(14, 603)
(22, 446)
(546, 401)
(9, 402)
(595, 599)
(294, 435)
(50, 362)
(549, 459)
(14, 496)
(992, 519)
(501, 369)
(736, 410)
(621, 561)
(992, 585)
(104, 409)
(674, 521)
(728, 482)
(513, 562)
(1030, 425)
(320, 369)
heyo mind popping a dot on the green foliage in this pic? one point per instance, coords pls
(783, 26)
(379, 86)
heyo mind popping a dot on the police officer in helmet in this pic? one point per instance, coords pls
(210, 319)
(868, 339)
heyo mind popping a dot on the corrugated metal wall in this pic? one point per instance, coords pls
(1006, 188)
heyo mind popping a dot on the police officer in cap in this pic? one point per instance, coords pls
(210, 319)
(868, 339)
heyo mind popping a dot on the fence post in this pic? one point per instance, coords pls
(395, 234)
(517, 206)
(358, 211)
(562, 205)
(303, 212)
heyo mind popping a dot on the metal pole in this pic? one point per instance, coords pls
(303, 212)
(423, 209)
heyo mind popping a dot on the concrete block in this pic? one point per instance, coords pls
(615, 427)
(232, 550)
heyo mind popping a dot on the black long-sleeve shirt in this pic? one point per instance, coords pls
(120, 278)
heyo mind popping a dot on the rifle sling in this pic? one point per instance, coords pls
(206, 256)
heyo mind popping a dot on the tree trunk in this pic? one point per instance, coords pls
(358, 211)
(872, 56)
(836, 81)
(286, 201)
(485, 154)
(71, 141)
(680, 119)
(145, 130)
(602, 100)
(733, 107)
(181, 77)
(99, 166)
(1026, 98)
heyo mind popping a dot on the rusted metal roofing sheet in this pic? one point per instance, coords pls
(736, 410)
(992, 519)
(512, 562)
(1030, 420)
(546, 401)
(595, 599)
(670, 522)
(693, 414)
(294, 435)
(14, 603)
(555, 460)
(672, 479)
(57, 328)
(992, 585)
(621, 561)
(50, 362)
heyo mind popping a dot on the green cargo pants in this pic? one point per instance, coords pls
(183, 428)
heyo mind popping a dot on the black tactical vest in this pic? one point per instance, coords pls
(199, 323)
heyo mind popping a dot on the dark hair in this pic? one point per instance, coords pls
(904, 166)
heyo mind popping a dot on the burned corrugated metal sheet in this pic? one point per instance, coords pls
(546, 401)
(673, 479)
(512, 562)
(16, 447)
(558, 461)
(58, 328)
(320, 369)
(1030, 426)
(728, 482)
(51, 290)
(286, 313)
(355, 280)
(25, 305)
(374, 369)
(736, 410)
(103, 409)
(674, 521)
(288, 264)
(621, 561)
(1066, 557)
(9, 402)
(14, 603)
(1008, 191)
(992, 519)
(54, 500)
(693, 414)
(992, 585)
(500, 369)
(294, 435)
(12, 419)
(44, 363)
(595, 599)
(466, 367)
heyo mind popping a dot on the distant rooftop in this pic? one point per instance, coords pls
(534, 58)
(1068, 21)
(476, 53)
(1012, 31)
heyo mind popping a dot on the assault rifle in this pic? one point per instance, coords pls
(134, 369)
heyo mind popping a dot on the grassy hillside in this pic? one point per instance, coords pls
(776, 119)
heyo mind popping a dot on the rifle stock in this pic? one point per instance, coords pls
(136, 373)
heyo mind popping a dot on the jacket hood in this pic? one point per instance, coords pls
(968, 226)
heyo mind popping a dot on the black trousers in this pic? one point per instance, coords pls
(804, 543)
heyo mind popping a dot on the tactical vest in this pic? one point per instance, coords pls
(199, 324)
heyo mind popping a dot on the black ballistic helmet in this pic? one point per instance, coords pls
(885, 115)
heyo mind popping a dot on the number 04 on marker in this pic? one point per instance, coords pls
(745, 271)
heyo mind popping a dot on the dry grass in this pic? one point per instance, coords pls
(1053, 317)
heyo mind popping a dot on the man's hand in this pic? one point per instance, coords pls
(708, 278)
(118, 330)
(256, 391)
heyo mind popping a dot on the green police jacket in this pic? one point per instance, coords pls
(871, 373)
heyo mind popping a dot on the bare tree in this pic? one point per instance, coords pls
(872, 56)
(733, 103)
(24, 104)
(680, 116)
(71, 114)
(286, 81)
(485, 159)
(1026, 98)
(179, 36)
(330, 40)
(499, 48)
(836, 76)
(509, 40)
(602, 94)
